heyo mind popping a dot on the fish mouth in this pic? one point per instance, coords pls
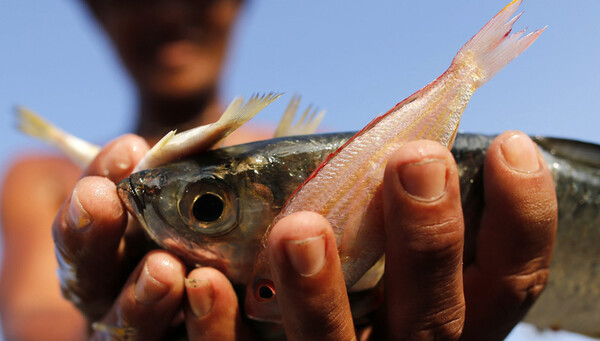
(130, 197)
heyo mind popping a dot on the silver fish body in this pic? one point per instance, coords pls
(213, 210)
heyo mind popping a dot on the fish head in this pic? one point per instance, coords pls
(203, 211)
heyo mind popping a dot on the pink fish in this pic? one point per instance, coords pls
(342, 189)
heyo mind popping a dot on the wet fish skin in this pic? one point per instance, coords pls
(570, 299)
(276, 167)
(254, 180)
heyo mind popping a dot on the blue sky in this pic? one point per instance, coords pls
(355, 60)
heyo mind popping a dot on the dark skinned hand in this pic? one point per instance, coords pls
(428, 294)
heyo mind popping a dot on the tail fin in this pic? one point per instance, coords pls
(173, 146)
(77, 150)
(238, 113)
(493, 47)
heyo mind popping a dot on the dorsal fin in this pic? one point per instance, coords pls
(305, 125)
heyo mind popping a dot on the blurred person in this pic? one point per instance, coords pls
(174, 52)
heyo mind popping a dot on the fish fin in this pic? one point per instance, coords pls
(285, 123)
(234, 111)
(157, 148)
(584, 153)
(493, 47)
(173, 146)
(32, 124)
(237, 114)
(313, 124)
(370, 278)
(77, 150)
(488, 51)
(307, 123)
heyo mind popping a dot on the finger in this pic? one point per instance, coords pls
(308, 279)
(212, 311)
(87, 232)
(118, 158)
(424, 243)
(89, 227)
(148, 303)
(515, 240)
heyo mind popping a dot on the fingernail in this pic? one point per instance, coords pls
(118, 162)
(308, 255)
(79, 216)
(149, 290)
(201, 296)
(520, 153)
(424, 180)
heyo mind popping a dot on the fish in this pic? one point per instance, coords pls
(176, 145)
(250, 183)
(201, 220)
(218, 218)
(171, 146)
(341, 189)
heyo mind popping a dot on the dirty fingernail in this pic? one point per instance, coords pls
(148, 289)
(79, 216)
(201, 296)
(307, 256)
(424, 180)
(520, 153)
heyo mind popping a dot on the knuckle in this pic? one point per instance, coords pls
(447, 324)
(437, 240)
(525, 288)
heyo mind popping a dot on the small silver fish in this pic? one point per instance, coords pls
(171, 147)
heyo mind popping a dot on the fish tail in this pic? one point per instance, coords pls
(32, 124)
(176, 145)
(77, 150)
(237, 114)
(493, 47)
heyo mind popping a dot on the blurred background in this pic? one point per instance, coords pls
(355, 60)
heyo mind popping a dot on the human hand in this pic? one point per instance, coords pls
(97, 252)
(500, 283)
(94, 257)
(429, 293)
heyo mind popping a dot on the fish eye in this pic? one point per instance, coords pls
(208, 207)
(264, 291)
